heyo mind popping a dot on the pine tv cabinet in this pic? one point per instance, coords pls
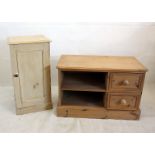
(100, 86)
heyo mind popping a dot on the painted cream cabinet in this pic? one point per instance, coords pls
(30, 61)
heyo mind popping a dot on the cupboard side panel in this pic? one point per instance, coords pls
(47, 72)
(60, 92)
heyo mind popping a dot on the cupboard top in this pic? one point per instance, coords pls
(27, 39)
(100, 63)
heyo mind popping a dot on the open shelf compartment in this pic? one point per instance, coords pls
(84, 81)
(78, 98)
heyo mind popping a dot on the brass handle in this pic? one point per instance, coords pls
(16, 75)
(125, 82)
(124, 102)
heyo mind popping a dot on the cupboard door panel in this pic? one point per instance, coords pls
(30, 68)
(32, 85)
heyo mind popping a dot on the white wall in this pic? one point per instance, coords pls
(137, 39)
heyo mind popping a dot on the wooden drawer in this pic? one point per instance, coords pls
(123, 101)
(126, 81)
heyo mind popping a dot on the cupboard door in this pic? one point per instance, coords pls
(31, 74)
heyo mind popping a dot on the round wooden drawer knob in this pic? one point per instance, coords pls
(125, 82)
(124, 102)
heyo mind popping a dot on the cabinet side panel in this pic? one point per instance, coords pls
(60, 92)
(47, 71)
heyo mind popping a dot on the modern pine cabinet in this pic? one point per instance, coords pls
(100, 86)
(30, 61)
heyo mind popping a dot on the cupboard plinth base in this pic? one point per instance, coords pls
(96, 112)
(25, 110)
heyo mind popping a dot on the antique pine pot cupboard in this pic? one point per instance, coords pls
(100, 86)
(30, 58)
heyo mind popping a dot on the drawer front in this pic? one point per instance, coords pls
(125, 81)
(123, 102)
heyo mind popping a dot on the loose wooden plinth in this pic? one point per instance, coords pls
(99, 113)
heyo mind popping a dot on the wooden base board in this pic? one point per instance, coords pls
(25, 110)
(95, 112)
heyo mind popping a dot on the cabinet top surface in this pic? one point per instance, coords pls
(100, 63)
(27, 39)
